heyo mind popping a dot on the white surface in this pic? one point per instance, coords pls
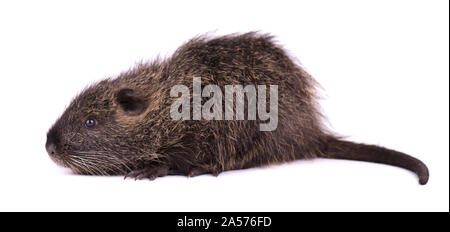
(383, 66)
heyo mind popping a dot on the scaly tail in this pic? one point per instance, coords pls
(339, 149)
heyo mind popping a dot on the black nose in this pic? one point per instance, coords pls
(52, 141)
(51, 149)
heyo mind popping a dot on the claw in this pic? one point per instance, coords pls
(150, 172)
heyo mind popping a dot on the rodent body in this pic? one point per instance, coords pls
(122, 126)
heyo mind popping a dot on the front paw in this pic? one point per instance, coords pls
(149, 172)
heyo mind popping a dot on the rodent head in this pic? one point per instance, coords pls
(101, 131)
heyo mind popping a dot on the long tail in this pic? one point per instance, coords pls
(339, 149)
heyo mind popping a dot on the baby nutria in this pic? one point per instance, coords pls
(125, 126)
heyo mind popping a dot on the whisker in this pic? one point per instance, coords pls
(84, 168)
(88, 166)
(98, 163)
(101, 156)
(110, 163)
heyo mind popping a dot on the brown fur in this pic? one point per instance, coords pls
(135, 135)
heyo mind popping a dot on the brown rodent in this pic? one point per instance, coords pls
(123, 126)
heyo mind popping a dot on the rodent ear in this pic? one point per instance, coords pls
(130, 102)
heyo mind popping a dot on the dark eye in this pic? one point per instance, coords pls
(90, 123)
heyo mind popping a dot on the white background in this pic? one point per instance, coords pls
(383, 66)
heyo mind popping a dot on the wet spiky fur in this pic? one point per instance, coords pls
(135, 134)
